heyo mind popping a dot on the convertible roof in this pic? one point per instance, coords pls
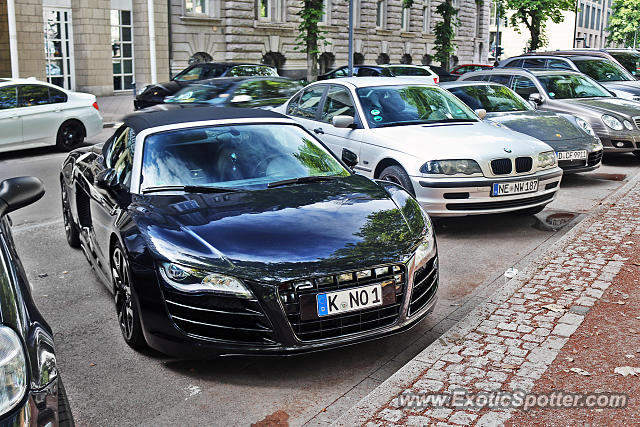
(169, 114)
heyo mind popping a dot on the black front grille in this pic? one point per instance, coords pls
(499, 204)
(501, 166)
(346, 323)
(524, 164)
(221, 318)
(425, 284)
(594, 158)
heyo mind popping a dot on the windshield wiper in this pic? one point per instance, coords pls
(192, 189)
(302, 179)
(427, 122)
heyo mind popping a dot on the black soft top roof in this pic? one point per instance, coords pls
(169, 114)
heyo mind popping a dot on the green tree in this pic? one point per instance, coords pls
(534, 14)
(625, 22)
(445, 32)
(310, 37)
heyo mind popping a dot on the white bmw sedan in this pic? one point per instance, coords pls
(425, 139)
(35, 114)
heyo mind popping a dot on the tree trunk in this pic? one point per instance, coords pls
(536, 32)
(312, 67)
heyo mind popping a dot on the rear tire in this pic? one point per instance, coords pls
(70, 228)
(65, 418)
(397, 175)
(637, 153)
(530, 211)
(70, 135)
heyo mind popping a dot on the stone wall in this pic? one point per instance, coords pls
(29, 25)
(5, 58)
(141, 42)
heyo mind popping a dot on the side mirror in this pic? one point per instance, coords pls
(241, 98)
(536, 98)
(16, 193)
(349, 157)
(481, 113)
(106, 179)
(342, 121)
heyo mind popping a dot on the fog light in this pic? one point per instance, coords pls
(619, 144)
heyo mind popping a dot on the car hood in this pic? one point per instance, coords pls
(477, 140)
(631, 86)
(541, 125)
(622, 107)
(161, 90)
(283, 233)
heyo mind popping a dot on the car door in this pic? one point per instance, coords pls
(10, 120)
(339, 102)
(40, 117)
(306, 108)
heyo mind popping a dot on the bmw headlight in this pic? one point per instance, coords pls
(451, 167)
(582, 124)
(13, 370)
(547, 159)
(612, 122)
(189, 279)
(426, 247)
(628, 125)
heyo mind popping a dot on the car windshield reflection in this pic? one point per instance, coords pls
(565, 86)
(492, 98)
(234, 157)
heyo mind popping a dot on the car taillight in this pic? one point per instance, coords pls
(436, 80)
(95, 105)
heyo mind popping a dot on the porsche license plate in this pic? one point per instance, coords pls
(572, 155)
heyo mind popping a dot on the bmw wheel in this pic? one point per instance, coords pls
(70, 228)
(126, 300)
(397, 175)
(70, 135)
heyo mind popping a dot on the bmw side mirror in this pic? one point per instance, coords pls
(16, 193)
(349, 157)
(536, 98)
(106, 179)
(342, 121)
(481, 113)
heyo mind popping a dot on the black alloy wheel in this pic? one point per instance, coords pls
(70, 228)
(397, 175)
(70, 135)
(126, 301)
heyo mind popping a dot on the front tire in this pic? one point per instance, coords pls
(126, 300)
(70, 228)
(70, 135)
(397, 175)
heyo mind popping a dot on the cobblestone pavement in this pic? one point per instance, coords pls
(510, 341)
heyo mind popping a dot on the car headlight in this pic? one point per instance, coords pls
(451, 167)
(628, 125)
(547, 159)
(426, 247)
(612, 122)
(189, 279)
(582, 124)
(13, 370)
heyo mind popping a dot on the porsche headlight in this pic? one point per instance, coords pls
(546, 159)
(612, 122)
(13, 370)
(582, 124)
(189, 279)
(451, 167)
(426, 247)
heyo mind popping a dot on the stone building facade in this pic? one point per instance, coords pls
(95, 46)
(265, 31)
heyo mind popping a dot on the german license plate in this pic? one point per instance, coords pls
(518, 187)
(349, 300)
(572, 155)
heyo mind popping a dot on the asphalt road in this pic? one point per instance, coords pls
(110, 384)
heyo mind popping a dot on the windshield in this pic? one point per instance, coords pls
(409, 71)
(602, 70)
(629, 60)
(199, 93)
(235, 157)
(199, 72)
(567, 86)
(403, 105)
(492, 98)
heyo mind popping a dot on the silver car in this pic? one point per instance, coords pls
(616, 121)
(425, 139)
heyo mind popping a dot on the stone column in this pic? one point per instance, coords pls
(141, 42)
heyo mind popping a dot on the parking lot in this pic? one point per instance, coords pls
(110, 384)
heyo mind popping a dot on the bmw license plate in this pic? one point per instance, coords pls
(349, 300)
(518, 187)
(572, 155)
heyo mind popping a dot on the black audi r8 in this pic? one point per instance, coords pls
(235, 231)
(31, 391)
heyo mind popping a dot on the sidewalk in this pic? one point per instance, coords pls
(565, 323)
(114, 108)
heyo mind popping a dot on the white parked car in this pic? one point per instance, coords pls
(35, 114)
(422, 137)
(417, 71)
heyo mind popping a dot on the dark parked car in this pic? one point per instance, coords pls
(358, 71)
(31, 391)
(155, 94)
(444, 75)
(576, 145)
(244, 92)
(467, 68)
(235, 231)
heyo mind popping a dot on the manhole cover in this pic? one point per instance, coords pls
(554, 221)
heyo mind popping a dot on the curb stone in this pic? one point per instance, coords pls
(380, 397)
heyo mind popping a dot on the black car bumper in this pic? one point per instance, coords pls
(139, 103)
(38, 408)
(200, 326)
(594, 161)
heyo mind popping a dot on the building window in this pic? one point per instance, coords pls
(426, 17)
(196, 7)
(58, 47)
(598, 21)
(122, 49)
(587, 15)
(264, 10)
(581, 15)
(380, 14)
(405, 19)
(478, 19)
(593, 17)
